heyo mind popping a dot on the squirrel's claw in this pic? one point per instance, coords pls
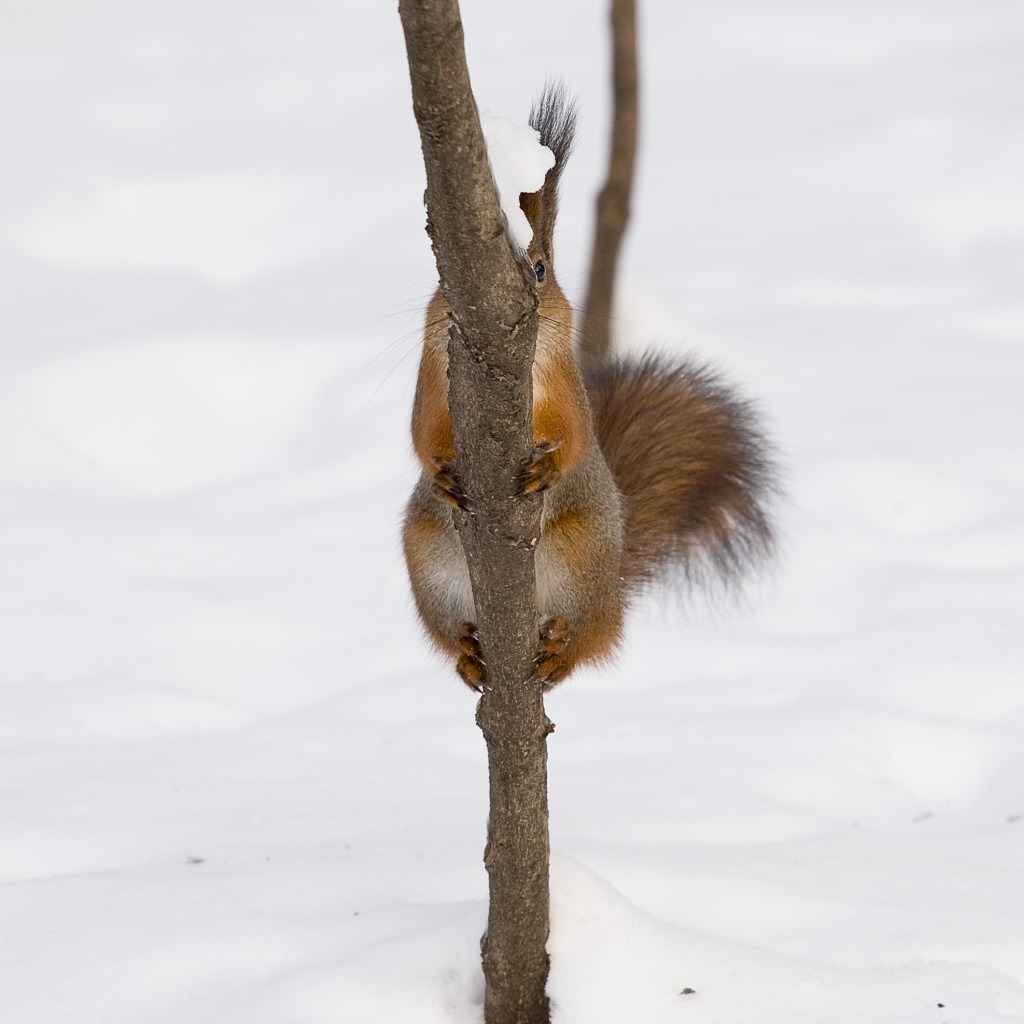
(446, 485)
(470, 665)
(540, 473)
(552, 665)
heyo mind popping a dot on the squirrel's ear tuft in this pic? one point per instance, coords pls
(554, 116)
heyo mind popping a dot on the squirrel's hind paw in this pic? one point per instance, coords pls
(470, 665)
(552, 664)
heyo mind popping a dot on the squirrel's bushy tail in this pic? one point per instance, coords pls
(693, 467)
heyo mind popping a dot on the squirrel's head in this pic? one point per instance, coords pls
(554, 117)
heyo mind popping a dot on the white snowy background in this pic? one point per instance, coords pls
(234, 785)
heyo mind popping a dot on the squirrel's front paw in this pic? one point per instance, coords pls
(540, 473)
(446, 485)
(470, 665)
(552, 663)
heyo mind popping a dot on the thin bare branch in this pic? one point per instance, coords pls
(614, 199)
(490, 358)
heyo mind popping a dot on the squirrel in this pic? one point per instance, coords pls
(644, 466)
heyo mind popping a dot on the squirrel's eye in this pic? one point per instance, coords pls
(540, 270)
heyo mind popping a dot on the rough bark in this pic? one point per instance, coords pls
(491, 350)
(614, 198)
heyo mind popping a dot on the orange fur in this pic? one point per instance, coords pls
(431, 420)
(558, 412)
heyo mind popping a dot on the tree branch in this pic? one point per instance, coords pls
(490, 353)
(614, 199)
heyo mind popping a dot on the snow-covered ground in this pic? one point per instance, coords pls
(234, 786)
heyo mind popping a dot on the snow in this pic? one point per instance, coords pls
(235, 784)
(519, 163)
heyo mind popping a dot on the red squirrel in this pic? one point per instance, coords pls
(644, 465)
